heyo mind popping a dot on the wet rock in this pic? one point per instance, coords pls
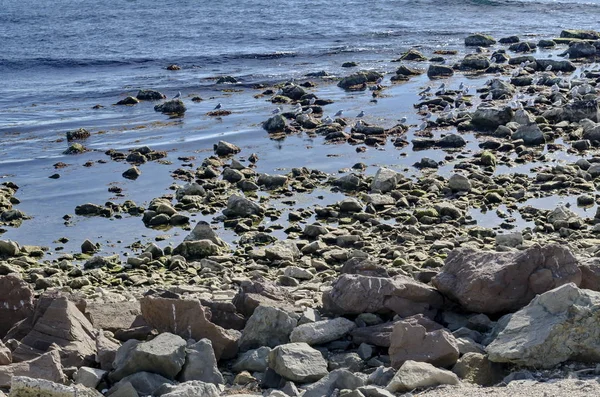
(557, 326)
(530, 134)
(404, 70)
(359, 78)
(298, 362)
(79, 134)
(476, 368)
(223, 148)
(23, 386)
(546, 43)
(355, 294)
(523, 46)
(458, 183)
(75, 148)
(580, 34)
(174, 106)
(16, 302)
(479, 40)
(412, 55)
(272, 181)
(274, 124)
(494, 282)
(576, 111)
(509, 40)
(268, 326)
(556, 66)
(150, 95)
(239, 206)
(422, 342)
(293, 91)
(414, 374)
(439, 71)
(451, 141)
(201, 364)
(128, 101)
(321, 332)
(227, 80)
(489, 118)
(47, 366)
(132, 173)
(581, 49)
(475, 62)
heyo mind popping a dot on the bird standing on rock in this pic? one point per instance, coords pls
(403, 120)
(178, 95)
(312, 101)
(361, 114)
(219, 106)
(339, 113)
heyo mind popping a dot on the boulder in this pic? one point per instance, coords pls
(590, 273)
(414, 374)
(489, 118)
(223, 148)
(496, 282)
(77, 135)
(293, 91)
(150, 95)
(5, 354)
(163, 355)
(530, 134)
(253, 360)
(385, 180)
(188, 319)
(476, 368)
(260, 291)
(378, 335)
(439, 71)
(581, 49)
(359, 78)
(144, 383)
(16, 302)
(356, 294)
(475, 62)
(239, 206)
(321, 332)
(174, 106)
(106, 350)
(268, 326)
(340, 379)
(89, 377)
(196, 250)
(422, 342)
(112, 316)
(479, 40)
(47, 366)
(298, 362)
(189, 389)
(57, 321)
(578, 110)
(557, 326)
(23, 386)
(458, 182)
(274, 124)
(201, 364)
(556, 66)
(580, 34)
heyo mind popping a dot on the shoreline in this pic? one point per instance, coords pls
(377, 201)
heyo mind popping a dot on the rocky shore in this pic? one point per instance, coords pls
(391, 288)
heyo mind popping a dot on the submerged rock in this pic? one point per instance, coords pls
(479, 40)
(174, 106)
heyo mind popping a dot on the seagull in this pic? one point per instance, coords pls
(489, 97)
(219, 106)
(548, 68)
(459, 97)
(427, 115)
(567, 56)
(424, 108)
(442, 87)
(425, 91)
(358, 125)
(535, 81)
(423, 126)
(557, 103)
(531, 102)
(178, 95)
(312, 101)
(513, 105)
(447, 108)
(462, 106)
(339, 113)
(277, 110)
(555, 88)
(403, 120)
(279, 92)
(379, 80)
(361, 114)
(327, 120)
(451, 114)
(493, 60)
(461, 86)
(308, 111)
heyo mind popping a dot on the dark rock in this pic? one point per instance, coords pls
(174, 106)
(150, 95)
(128, 101)
(439, 71)
(16, 302)
(79, 134)
(479, 40)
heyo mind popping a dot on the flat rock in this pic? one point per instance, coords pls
(356, 294)
(187, 318)
(340, 379)
(476, 368)
(556, 326)
(189, 389)
(298, 362)
(414, 374)
(260, 291)
(495, 282)
(321, 332)
(23, 386)
(112, 316)
(47, 366)
(144, 383)
(252, 360)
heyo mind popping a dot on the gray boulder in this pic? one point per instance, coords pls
(439, 71)
(223, 148)
(144, 383)
(188, 389)
(359, 78)
(475, 62)
(321, 332)
(253, 360)
(385, 180)
(239, 206)
(557, 326)
(495, 282)
(489, 118)
(530, 134)
(174, 106)
(150, 95)
(201, 364)
(268, 326)
(414, 374)
(274, 124)
(298, 362)
(163, 355)
(479, 40)
(337, 379)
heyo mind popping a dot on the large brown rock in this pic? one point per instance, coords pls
(57, 321)
(16, 302)
(47, 366)
(355, 294)
(188, 319)
(590, 273)
(496, 282)
(260, 291)
(422, 341)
